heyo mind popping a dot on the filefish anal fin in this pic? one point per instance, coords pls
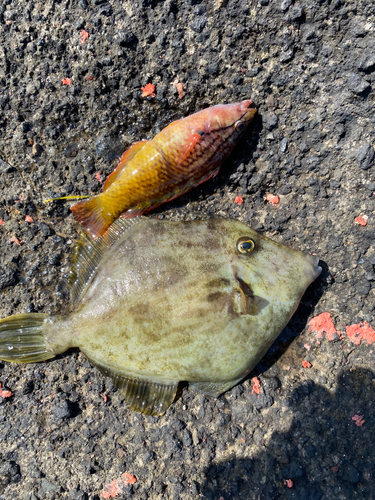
(150, 398)
(213, 389)
(126, 157)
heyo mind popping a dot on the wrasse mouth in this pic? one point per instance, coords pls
(249, 111)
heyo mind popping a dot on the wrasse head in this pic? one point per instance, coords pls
(236, 116)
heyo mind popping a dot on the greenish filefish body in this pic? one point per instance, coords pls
(158, 302)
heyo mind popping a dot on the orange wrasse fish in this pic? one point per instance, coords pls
(184, 154)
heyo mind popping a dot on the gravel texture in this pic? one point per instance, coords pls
(68, 110)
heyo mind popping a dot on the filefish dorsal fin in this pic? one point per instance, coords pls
(88, 254)
(126, 157)
(150, 398)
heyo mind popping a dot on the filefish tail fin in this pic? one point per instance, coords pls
(92, 216)
(22, 339)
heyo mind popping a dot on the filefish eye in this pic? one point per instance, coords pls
(239, 126)
(245, 245)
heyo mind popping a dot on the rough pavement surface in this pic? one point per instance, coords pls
(70, 103)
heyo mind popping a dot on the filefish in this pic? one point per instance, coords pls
(184, 154)
(157, 302)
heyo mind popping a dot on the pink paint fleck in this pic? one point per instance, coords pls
(5, 394)
(361, 220)
(2, 222)
(358, 420)
(288, 483)
(273, 199)
(84, 36)
(116, 487)
(98, 177)
(29, 219)
(307, 347)
(238, 200)
(15, 240)
(256, 386)
(179, 88)
(362, 331)
(323, 324)
(66, 81)
(306, 364)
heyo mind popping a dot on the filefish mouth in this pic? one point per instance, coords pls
(315, 268)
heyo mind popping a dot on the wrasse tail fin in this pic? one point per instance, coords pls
(88, 254)
(91, 215)
(150, 398)
(22, 338)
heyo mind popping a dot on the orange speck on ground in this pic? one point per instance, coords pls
(358, 420)
(15, 240)
(323, 324)
(238, 200)
(66, 81)
(361, 220)
(273, 199)
(256, 386)
(89, 78)
(84, 36)
(288, 483)
(1, 222)
(29, 219)
(179, 88)
(5, 394)
(335, 469)
(116, 487)
(148, 90)
(128, 478)
(307, 347)
(361, 331)
(306, 364)
(98, 177)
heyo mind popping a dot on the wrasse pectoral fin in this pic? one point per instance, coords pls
(213, 389)
(87, 256)
(126, 157)
(150, 398)
(185, 153)
(92, 216)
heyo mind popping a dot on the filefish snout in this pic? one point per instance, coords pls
(314, 267)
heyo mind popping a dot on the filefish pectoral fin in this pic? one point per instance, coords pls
(150, 398)
(213, 389)
(250, 304)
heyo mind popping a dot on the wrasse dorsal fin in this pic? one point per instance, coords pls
(87, 256)
(126, 157)
(213, 389)
(150, 398)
